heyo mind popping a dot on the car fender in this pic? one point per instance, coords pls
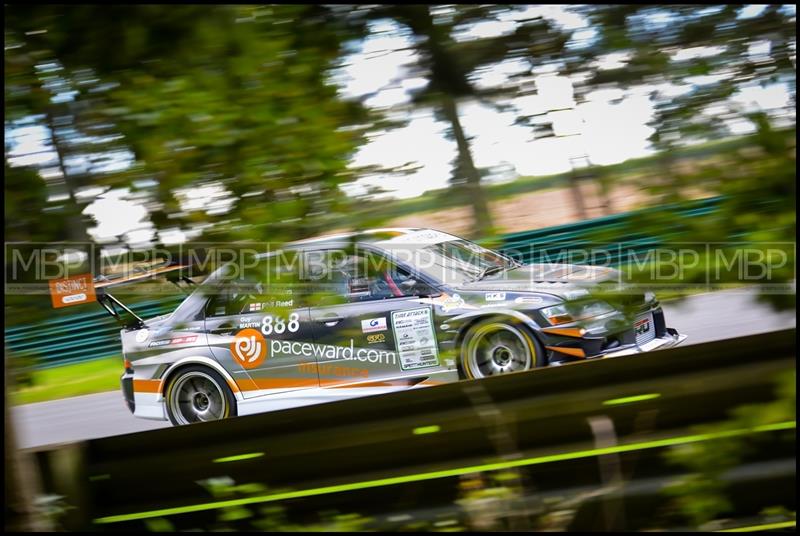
(467, 319)
(209, 362)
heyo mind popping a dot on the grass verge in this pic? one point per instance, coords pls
(70, 380)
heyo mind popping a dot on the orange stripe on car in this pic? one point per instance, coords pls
(346, 384)
(279, 383)
(431, 382)
(577, 352)
(568, 332)
(146, 386)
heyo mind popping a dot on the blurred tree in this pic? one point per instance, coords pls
(232, 102)
(702, 494)
(699, 63)
(451, 65)
(31, 91)
(704, 67)
(23, 483)
(220, 120)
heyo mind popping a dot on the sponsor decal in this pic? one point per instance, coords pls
(495, 296)
(641, 326)
(271, 304)
(453, 302)
(72, 291)
(448, 303)
(528, 299)
(426, 236)
(329, 351)
(373, 324)
(334, 370)
(183, 340)
(245, 322)
(376, 338)
(413, 334)
(175, 340)
(141, 335)
(249, 348)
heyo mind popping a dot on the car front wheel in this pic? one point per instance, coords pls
(498, 346)
(199, 394)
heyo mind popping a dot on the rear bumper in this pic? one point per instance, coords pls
(127, 390)
(668, 340)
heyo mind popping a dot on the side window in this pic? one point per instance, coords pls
(233, 298)
(271, 284)
(362, 276)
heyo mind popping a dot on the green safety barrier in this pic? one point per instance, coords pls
(555, 244)
(74, 338)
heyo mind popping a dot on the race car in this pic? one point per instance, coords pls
(371, 312)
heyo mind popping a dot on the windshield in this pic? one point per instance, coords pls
(449, 259)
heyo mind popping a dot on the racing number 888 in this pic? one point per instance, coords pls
(280, 325)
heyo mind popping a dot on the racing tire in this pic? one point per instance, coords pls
(497, 346)
(198, 394)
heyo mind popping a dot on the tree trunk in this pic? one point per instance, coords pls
(482, 224)
(76, 230)
(575, 188)
(22, 478)
(577, 196)
(76, 227)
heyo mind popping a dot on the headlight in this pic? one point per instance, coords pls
(574, 311)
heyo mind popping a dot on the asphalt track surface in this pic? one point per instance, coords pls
(703, 317)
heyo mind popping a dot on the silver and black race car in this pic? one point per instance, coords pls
(360, 314)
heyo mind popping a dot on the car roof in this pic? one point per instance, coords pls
(368, 236)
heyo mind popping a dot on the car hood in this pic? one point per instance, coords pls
(565, 280)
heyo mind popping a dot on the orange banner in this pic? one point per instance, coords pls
(72, 291)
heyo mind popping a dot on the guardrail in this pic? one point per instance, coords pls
(549, 244)
(87, 336)
(77, 337)
(591, 436)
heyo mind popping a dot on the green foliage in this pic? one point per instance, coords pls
(710, 54)
(231, 96)
(700, 497)
(451, 66)
(268, 517)
(97, 376)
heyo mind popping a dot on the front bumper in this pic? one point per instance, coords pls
(668, 340)
(610, 336)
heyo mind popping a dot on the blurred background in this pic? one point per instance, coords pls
(129, 128)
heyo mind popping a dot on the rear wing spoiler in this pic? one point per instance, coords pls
(104, 282)
(115, 307)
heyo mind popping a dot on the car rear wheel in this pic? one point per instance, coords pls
(199, 394)
(498, 346)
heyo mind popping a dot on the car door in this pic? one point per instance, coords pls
(369, 322)
(260, 330)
